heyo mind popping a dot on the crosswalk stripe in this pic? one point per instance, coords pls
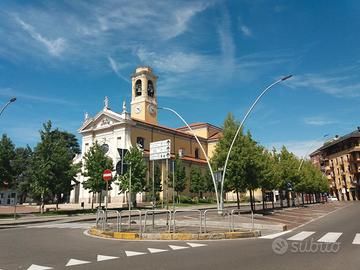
(300, 236)
(356, 240)
(275, 235)
(330, 237)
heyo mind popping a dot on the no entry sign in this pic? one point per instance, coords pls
(107, 175)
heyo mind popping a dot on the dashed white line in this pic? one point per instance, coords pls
(101, 258)
(356, 240)
(39, 267)
(72, 262)
(330, 237)
(156, 250)
(196, 245)
(301, 236)
(177, 247)
(133, 253)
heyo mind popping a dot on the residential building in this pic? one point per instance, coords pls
(339, 159)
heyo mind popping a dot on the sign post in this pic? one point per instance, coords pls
(158, 151)
(107, 176)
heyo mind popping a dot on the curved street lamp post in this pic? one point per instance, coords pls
(7, 104)
(237, 133)
(202, 149)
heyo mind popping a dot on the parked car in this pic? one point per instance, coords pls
(332, 199)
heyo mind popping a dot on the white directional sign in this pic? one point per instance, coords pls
(160, 150)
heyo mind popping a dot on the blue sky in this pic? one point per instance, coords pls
(60, 58)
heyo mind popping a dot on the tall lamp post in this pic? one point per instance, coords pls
(7, 104)
(238, 130)
(202, 149)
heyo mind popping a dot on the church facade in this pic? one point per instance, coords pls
(122, 130)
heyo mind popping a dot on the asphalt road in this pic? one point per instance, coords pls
(23, 248)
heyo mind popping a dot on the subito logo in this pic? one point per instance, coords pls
(280, 246)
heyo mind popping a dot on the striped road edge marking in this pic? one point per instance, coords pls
(274, 235)
(300, 236)
(330, 237)
(356, 240)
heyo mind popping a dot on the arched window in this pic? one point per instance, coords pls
(138, 88)
(197, 153)
(150, 89)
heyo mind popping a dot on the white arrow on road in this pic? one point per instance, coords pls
(196, 245)
(38, 267)
(177, 247)
(133, 253)
(156, 250)
(101, 258)
(72, 262)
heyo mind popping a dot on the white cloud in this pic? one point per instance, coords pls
(318, 121)
(338, 83)
(116, 67)
(300, 148)
(8, 92)
(54, 47)
(246, 30)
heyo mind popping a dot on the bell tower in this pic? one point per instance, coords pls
(143, 98)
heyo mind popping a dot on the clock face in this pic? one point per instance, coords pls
(152, 109)
(138, 109)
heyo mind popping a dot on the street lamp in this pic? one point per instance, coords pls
(238, 130)
(202, 149)
(13, 99)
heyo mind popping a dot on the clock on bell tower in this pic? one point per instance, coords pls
(143, 98)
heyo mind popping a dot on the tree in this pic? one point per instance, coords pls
(52, 166)
(196, 181)
(289, 172)
(7, 154)
(22, 168)
(95, 163)
(134, 157)
(180, 176)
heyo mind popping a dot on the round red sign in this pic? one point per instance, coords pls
(107, 175)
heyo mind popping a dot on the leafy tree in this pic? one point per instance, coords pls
(289, 171)
(180, 176)
(134, 157)
(7, 154)
(95, 162)
(157, 182)
(22, 168)
(197, 182)
(52, 166)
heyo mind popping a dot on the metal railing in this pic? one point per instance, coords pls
(223, 212)
(233, 218)
(118, 219)
(130, 222)
(159, 211)
(100, 218)
(194, 211)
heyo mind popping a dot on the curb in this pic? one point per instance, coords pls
(173, 236)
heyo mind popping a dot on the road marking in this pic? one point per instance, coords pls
(177, 247)
(101, 258)
(38, 267)
(156, 250)
(275, 235)
(72, 262)
(330, 237)
(133, 253)
(196, 245)
(300, 236)
(356, 240)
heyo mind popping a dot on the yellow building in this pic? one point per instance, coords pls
(339, 159)
(121, 130)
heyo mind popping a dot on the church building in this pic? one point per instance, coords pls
(115, 130)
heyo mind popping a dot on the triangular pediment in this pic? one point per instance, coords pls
(102, 120)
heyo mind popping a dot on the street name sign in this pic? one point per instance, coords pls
(160, 150)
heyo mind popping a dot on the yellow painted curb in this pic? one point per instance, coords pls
(126, 235)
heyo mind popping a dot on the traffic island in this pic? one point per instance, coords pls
(174, 236)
